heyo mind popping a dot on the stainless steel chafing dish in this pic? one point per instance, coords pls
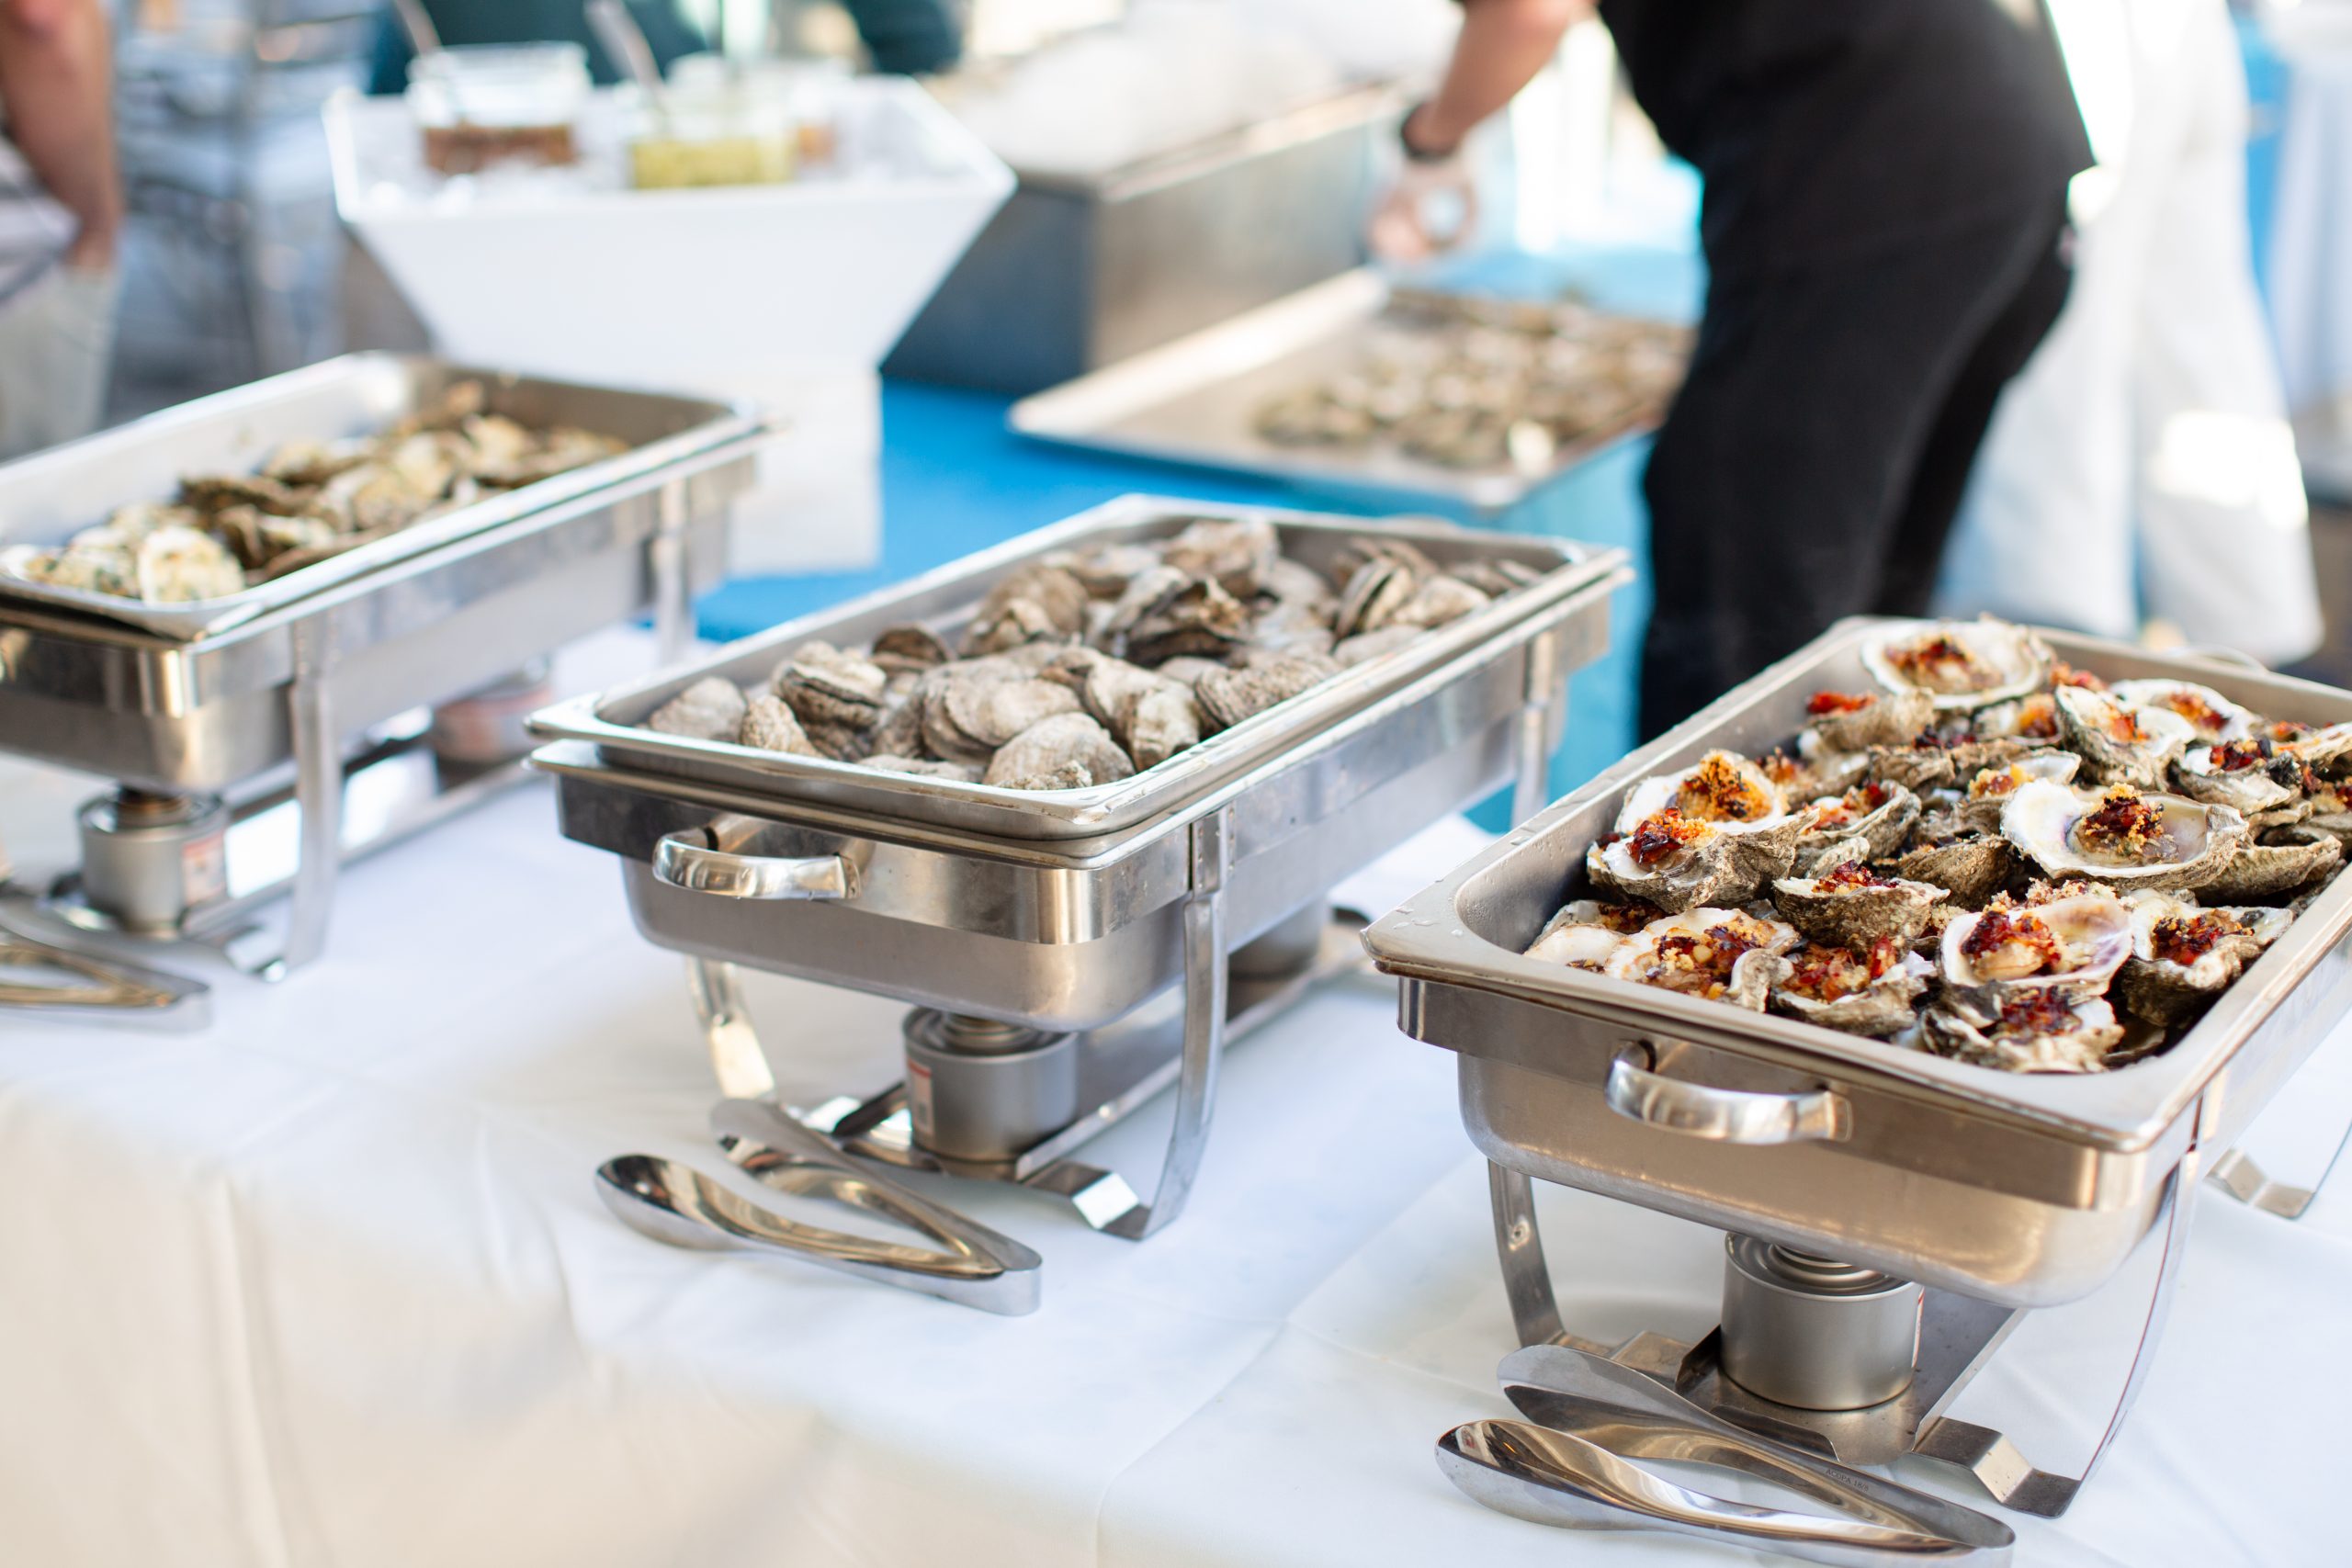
(2000, 1192)
(1035, 931)
(248, 711)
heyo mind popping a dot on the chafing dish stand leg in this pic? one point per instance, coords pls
(1957, 1336)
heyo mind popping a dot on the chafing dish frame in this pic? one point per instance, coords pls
(1208, 870)
(2001, 1192)
(271, 701)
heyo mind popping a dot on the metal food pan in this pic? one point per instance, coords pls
(2025, 1189)
(47, 497)
(1195, 401)
(944, 599)
(1074, 933)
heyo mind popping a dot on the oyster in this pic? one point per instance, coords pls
(710, 709)
(1880, 815)
(1032, 603)
(1852, 906)
(1971, 868)
(96, 561)
(1869, 992)
(2123, 838)
(1199, 617)
(1158, 724)
(1374, 595)
(824, 685)
(2031, 719)
(2119, 744)
(1579, 936)
(1916, 768)
(2331, 813)
(2251, 775)
(1228, 696)
(1724, 955)
(2070, 945)
(1960, 665)
(176, 565)
(1068, 751)
(2268, 871)
(1856, 721)
(1239, 553)
(2210, 715)
(908, 648)
(2183, 955)
(970, 718)
(1713, 833)
(1437, 601)
(1987, 791)
(1354, 650)
(768, 726)
(2023, 1031)
(2317, 748)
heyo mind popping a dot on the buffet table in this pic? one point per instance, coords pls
(327, 1284)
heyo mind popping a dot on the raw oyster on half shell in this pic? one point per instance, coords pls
(2123, 838)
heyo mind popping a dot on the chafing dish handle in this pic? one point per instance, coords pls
(705, 860)
(1722, 1115)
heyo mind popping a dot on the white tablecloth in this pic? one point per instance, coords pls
(327, 1284)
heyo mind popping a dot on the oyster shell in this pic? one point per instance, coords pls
(1856, 721)
(1987, 791)
(1713, 833)
(1852, 906)
(1068, 751)
(1575, 939)
(1725, 956)
(2318, 748)
(824, 685)
(1916, 768)
(2031, 719)
(2250, 775)
(1960, 665)
(1354, 650)
(1439, 601)
(1034, 603)
(1199, 617)
(176, 565)
(908, 648)
(2184, 954)
(2125, 839)
(2070, 945)
(1239, 553)
(984, 715)
(1374, 594)
(2120, 744)
(1159, 724)
(1228, 696)
(2331, 810)
(2260, 872)
(2210, 715)
(710, 709)
(768, 726)
(1880, 815)
(2023, 1031)
(1970, 868)
(1871, 993)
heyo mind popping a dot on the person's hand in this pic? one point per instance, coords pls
(93, 248)
(1431, 208)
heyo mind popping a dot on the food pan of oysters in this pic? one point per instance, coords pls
(210, 513)
(1962, 854)
(1081, 677)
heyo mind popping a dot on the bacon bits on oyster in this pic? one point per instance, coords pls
(1856, 721)
(2250, 775)
(1713, 833)
(1960, 665)
(1852, 906)
(1868, 991)
(2070, 945)
(2184, 954)
(1985, 794)
(1724, 955)
(2211, 717)
(2023, 1031)
(1880, 815)
(2120, 744)
(2318, 748)
(2123, 838)
(1586, 932)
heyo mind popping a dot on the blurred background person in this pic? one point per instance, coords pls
(60, 220)
(1884, 225)
(2143, 467)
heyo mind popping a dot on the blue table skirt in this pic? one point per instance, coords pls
(955, 481)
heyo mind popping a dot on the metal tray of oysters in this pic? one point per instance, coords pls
(1473, 400)
(1949, 940)
(204, 516)
(1166, 647)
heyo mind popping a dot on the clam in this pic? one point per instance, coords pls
(2122, 744)
(1871, 992)
(2184, 954)
(1880, 815)
(1724, 955)
(1987, 791)
(2023, 1031)
(1960, 665)
(1068, 751)
(2123, 838)
(1852, 906)
(1856, 721)
(2073, 946)
(2210, 715)
(2250, 775)
(710, 709)
(2277, 870)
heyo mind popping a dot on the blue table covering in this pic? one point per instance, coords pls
(954, 479)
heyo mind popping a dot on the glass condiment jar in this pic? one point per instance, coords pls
(480, 104)
(710, 129)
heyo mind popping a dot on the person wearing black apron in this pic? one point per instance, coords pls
(1886, 235)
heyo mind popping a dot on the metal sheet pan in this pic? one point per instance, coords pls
(46, 497)
(944, 599)
(1195, 401)
(1468, 929)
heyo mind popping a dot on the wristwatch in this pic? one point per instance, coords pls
(1420, 155)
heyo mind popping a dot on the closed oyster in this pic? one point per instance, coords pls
(1200, 618)
(1711, 834)
(2023, 1031)
(2119, 744)
(1971, 868)
(1238, 552)
(1068, 751)
(1852, 906)
(2123, 838)
(1880, 815)
(1437, 601)
(710, 709)
(1960, 665)
(2250, 775)
(2070, 945)
(982, 715)
(1158, 724)
(1228, 696)
(2266, 871)
(1035, 602)
(1353, 651)
(2210, 715)
(1724, 955)
(908, 648)
(1986, 792)
(768, 726)
(175, 565)
(1374, 594)
(824, 685)
(1856, 721)
(2183, 954)
(1871, 992)
(1495, 577)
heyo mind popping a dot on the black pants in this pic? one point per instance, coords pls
(1812, 462)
